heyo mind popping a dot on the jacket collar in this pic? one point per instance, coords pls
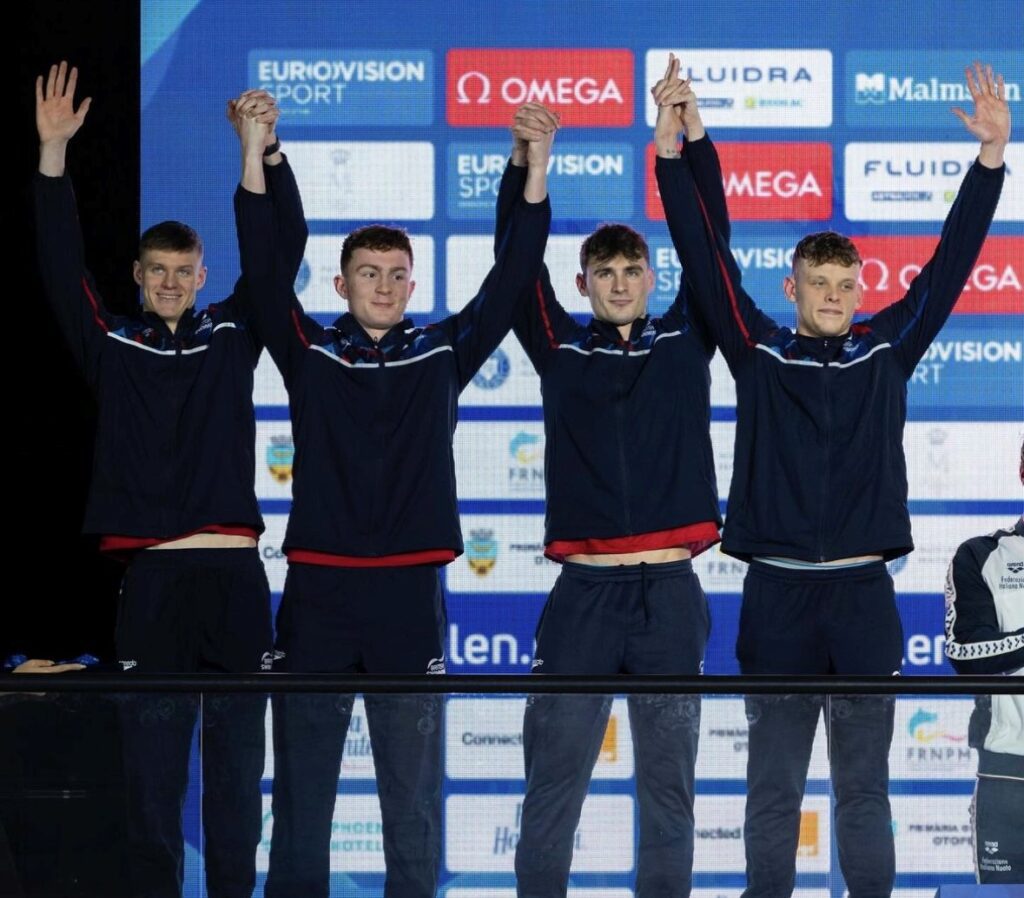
(611, 331)
(353, 330)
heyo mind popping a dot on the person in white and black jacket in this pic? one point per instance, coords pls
(985, 635)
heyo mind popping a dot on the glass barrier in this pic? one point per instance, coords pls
(463, 787)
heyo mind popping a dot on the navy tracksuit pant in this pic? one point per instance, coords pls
(194, 611)
(634, 619)
(819, 622)
(387, 620)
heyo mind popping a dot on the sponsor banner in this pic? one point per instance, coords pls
(270, 549)
(585, 180)
(498, 460)
(314, 285)
(764, 254)
(456, 892)
(936, 538)
(586, 87)
(975, 361)
(930, 740)
(504, 553)
(718, 834)
(484, 740)
(737, 892)
(275, 451)
(924, 639)
(717, 571)
(942, 457)
(890, 264)
(933, 833)
(506, 378)
(357, 843)
(766, 181)
(268, 387)
(365, 180)
(960, 460)
(482, 831)
(916, 88)
(475, 257)
(724, 734)
(746, 88)
(357, 755)
(321, 86)
(491, 634)
(919, 181)
(909, 893)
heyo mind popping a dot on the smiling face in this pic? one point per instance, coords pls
(617, 289)
(825, 284)
(377, 285)
(826, 296)
(616, 275)
(169, 270)
(169, 280)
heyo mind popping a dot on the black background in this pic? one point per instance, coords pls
(60, 596)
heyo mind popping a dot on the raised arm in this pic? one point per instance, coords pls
(540, 319)
(291, 229)
(711, 277)
(975, 643)
(913, 322)
(268, 276)
(521, 232)
(68, 286)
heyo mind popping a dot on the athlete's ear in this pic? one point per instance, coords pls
(340, 287)
(789, 287)
(412, 286)
(581, 284)
(137, 272)
(201, 277)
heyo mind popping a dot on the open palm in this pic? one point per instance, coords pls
(990, 122)
(56, 116)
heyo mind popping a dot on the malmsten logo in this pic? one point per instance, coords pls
(586, 87)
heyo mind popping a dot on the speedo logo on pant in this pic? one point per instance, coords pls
(436, 665)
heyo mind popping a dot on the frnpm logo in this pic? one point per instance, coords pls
(585, 86)
(584, 180)
(766, 181)
(917, 88)
(753, 88)
(348, 87)
(919, 181)
(892, 263)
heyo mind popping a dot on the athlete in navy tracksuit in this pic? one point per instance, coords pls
(985, 635)
(374, 404)
(631, 496)
(173, 490)
(819, 492)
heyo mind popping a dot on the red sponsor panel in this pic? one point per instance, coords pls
(766, 181)
(586, 87)
(993, 287)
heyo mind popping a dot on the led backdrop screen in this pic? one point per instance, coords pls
(826, 116)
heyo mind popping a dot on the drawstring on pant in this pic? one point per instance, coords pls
(643, 592)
